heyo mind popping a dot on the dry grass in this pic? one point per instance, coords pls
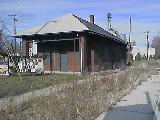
(13, 85)
(81, 99)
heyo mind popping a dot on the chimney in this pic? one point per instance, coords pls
(91, 19)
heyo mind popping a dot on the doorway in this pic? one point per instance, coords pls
(63, 62)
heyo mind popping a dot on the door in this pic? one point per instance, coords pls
(46, 61)
(63, 64)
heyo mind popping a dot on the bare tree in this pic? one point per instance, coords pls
(156, 44)
(5, 47)
(133, 43)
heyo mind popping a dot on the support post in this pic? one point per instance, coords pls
(51, 67)
(24, 47)
(83, 42)
(92, 60)
(54, 61)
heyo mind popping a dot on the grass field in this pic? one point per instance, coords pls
(13, 85)
(81, 100)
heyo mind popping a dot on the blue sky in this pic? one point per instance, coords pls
(145, 14)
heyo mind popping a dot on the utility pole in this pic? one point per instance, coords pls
(109, 16)
(14, 28)
(129, 41)
(147, 39)
(130, 29)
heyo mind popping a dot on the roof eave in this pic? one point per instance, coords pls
(31, 35)
(118, 39)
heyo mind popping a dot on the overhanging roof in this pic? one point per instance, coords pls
(66, 24)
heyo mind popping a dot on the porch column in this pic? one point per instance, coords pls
(25, 47)
(83, 54)
(93, 56)
(51, 63)
(93, 60)
(113, 56)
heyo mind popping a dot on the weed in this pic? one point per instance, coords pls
(80, 99)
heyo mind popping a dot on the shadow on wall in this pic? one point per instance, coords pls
(130, 112)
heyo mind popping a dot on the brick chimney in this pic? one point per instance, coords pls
(91, 19)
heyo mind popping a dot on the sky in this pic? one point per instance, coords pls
(144, 13)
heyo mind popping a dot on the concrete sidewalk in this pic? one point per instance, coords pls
(139, 104)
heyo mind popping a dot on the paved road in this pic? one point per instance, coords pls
(139, 104)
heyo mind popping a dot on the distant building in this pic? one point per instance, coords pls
(142, 51)
(71, 44)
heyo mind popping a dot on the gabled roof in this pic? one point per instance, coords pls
(67, 23)
(96, 29)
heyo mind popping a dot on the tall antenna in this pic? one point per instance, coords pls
(109, 17)
(130, 29)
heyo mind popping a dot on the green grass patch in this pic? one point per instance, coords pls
(13, 85)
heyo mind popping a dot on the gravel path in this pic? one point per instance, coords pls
(16, 100)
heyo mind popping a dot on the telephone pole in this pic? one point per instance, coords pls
(130, 29)
(129, 41)
(14, 28)
(147, 39)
